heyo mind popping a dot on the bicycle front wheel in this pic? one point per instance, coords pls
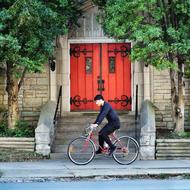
(81, 151)
(127, 150)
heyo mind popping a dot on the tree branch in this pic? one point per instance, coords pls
(22, 78)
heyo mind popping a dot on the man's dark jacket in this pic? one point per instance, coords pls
(108, 112)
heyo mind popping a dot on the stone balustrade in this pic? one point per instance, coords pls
(44, 133)
(148, 131)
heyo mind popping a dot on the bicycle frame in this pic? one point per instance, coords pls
(104, 149)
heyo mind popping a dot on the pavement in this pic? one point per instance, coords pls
(98, 168)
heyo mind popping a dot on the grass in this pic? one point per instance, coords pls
(13, 155)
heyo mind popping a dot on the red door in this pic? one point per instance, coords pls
(100, 69)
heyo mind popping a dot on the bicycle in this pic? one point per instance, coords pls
(81, 150)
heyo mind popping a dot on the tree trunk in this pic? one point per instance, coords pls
(12, 90)
(181, 95)
(173, 94)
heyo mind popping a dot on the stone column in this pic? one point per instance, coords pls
(137, 80)
(65, 73)
(146, 75)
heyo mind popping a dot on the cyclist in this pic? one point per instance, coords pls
(113, 123)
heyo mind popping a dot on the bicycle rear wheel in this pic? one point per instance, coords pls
(127, 150)
(81, 151)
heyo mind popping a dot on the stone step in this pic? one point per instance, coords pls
(72, 125)
(17, 143)
(173, 148)
(16, 139)
(20, 149)
(80, 127)
(58, 156)
(17, 146)
(172, 158)
(62, 135)
(90, 117)
(69, 137)
(173, 155)
(175, 151)
(94, 113)
(60, 149)
(25, 144)
(91, 120)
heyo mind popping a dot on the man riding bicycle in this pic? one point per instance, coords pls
(113, 123)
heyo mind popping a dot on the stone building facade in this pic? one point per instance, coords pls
(39, 88)
(32, 95)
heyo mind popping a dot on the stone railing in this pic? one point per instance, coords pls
(148, 131)
(44, 133)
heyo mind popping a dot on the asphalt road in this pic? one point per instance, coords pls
(127, 184)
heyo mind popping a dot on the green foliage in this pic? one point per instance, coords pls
(28, 29)
(3, 121)
(184, 134)
(22, 129)
(174, 135)
(160, 30)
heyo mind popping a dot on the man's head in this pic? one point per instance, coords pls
(99, 100)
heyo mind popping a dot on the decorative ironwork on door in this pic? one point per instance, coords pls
(125, 100)
(77, 100)
(76, 51)
(124, 50)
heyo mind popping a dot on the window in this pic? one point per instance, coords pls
(88, 62)
(112, 64)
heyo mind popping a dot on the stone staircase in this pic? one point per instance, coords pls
(72, 126)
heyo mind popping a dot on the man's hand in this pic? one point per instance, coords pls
(93, 126)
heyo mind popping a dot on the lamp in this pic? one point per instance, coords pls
(52, 62)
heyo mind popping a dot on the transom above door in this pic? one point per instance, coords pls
(100, 69)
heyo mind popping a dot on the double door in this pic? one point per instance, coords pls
(100, 69)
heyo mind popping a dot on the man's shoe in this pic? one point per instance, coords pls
(99, 151)
(112, 149)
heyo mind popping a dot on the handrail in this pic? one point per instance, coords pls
(136, 112)
(58, 100)
(136, 104)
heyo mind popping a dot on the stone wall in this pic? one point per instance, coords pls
(162, 100)
(33, 94)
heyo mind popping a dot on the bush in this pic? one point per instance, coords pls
(3, 122)
(184, 134)
(22, 129)
(174, 135)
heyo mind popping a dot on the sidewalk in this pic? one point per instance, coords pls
(51, 169)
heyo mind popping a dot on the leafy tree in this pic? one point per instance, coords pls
(161, 32)
(28, 29)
